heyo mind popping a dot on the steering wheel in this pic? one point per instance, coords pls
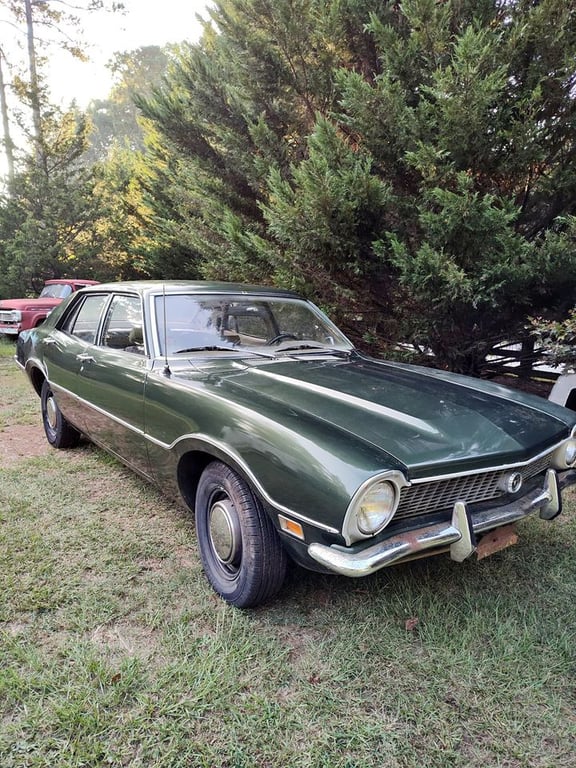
(281, 337)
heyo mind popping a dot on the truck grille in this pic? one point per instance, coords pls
(439, 495)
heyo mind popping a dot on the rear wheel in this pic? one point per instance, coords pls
(59, 432)
(242, 555)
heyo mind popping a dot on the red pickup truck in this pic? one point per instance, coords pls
(20, 314)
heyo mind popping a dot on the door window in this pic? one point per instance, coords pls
(123, 325)
(84, 322)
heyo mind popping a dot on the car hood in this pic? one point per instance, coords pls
(426, 419)
(29, 304)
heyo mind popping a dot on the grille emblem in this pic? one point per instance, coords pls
(513, 482)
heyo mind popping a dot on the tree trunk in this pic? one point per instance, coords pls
(39, 152)
(8, 144)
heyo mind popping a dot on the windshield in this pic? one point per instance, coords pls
(259, 325)
(56, 291)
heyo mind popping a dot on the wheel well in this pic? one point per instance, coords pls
(190, 468)
(37, 378)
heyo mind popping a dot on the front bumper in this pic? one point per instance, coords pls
(459, 536)
(9, 330)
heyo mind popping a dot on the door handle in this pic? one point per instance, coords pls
(85, 358)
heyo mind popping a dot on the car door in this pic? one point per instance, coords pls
(66, 350)
(111, 381)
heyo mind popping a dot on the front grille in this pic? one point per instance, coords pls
(440, 495)
(6, 317)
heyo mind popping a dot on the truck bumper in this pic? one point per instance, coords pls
(9, 330)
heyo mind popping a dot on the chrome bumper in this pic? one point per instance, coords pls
(459, 535)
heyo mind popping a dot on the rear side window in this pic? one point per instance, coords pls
(84, 322)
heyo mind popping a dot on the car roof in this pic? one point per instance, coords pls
(192, 286)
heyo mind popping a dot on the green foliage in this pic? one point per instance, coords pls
(44, 219)
(558, 339)
(408, 166)
(555, 330)
(69, 220)
(52, 210)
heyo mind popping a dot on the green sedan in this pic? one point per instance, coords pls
(251, 407)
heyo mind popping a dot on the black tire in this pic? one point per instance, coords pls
(59, 432)
(241, 552)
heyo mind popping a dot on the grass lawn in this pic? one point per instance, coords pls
(114, 651)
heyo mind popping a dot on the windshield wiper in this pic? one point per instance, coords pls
(221, 348)
(314, 348)
(205, 348)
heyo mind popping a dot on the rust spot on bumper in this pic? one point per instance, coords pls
(496, 540)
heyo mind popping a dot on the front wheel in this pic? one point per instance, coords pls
(242, 555)
(59, 432)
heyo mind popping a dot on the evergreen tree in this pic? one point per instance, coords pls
(48, 211)
(412, 166)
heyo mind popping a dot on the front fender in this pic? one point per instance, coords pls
(301, 466)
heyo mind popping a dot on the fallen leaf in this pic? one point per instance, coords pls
(411, 624)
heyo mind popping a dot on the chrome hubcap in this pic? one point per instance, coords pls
(225, 532)
(51, 412)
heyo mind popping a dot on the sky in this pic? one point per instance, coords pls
(146, 22)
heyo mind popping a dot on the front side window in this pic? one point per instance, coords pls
(123, 325)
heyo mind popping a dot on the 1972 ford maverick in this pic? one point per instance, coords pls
(252, 408)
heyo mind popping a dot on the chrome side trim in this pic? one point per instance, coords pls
(225, 449)
(101, 411)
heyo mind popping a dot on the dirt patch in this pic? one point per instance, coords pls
(22, 441)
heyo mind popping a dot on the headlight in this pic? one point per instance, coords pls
(564, 457)
(15, 316)
(373, 506)
(376, 508)
(570, 454)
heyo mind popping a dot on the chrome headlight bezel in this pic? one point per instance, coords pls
(564, 457)
(352, 528)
